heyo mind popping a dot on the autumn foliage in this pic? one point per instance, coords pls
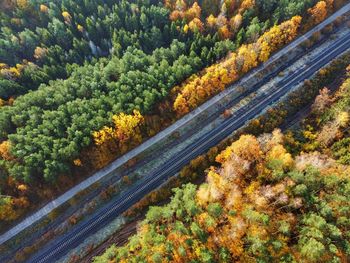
(91, 61)
(273, 198)
(224, 17)
(215, 78)
(261, 204)
(119, 138)
(319, 11)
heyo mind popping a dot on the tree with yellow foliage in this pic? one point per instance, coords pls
(5, 151)
(44, 8)
(278, 152)
(180, 105)
(67, 17)
(22, 4)
(80, 28)
(247, 58)
(236, 22)
(215, 78)
(125, 134)
(211, 21)
(103, 135)
(127, 126)
(196, 25)
(343, 119)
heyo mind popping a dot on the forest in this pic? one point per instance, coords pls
(82, 82)
(276, 197)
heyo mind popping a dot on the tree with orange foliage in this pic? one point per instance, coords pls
(245, 5)
(180, 105)
(176, 15)
(196, 25)
(193, 12)
(318, 12)
(224, 32)
(247, 148)
(77, 162)
(169, 4)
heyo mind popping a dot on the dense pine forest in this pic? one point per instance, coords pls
(82, 82)
(278, 197)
